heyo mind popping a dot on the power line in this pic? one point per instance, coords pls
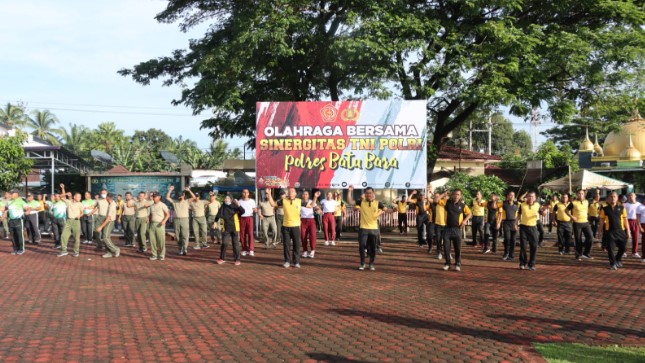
(88, 105)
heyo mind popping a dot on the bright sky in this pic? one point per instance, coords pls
(64, 55)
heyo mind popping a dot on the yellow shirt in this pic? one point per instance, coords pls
(369, 212)
(291, 208)
(594, 208)
(622, 212)
(440, 210)
(579, 210)
(552, 205)
(339, 209)
(529, 214)
(479, 209)
(119, 207)
(41, 205)
(560, 215)
(402, 207)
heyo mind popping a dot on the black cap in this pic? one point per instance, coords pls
(155, 194)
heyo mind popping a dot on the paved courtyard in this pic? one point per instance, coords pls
(130, 309)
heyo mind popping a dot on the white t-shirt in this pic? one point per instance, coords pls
(307, 213)
(248, 206)
(329, 206)
(631, 209)
(641, 210)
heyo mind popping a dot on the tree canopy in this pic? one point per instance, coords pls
(460, 56)
(13, 163)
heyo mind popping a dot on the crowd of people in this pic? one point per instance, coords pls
(295, 220)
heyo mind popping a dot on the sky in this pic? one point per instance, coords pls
(64, 55)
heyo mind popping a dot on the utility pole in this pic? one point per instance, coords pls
(489, 130)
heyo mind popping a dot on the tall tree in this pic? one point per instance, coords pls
(43, 124)
(106, 137)
(504, 138)
(76, 138)
(13, 163)
(13, 115)
(460, 56)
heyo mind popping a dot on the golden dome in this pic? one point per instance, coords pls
(617, 142)
(586, 144)
(597, 149)
(630, 153)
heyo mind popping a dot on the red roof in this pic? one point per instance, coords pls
(455, 153)
(119, 169)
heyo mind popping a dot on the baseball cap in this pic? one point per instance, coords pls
(155, 194)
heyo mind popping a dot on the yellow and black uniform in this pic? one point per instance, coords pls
(614, 234)
(493, 209)
(423, 219)
(528, 219)
(551, 204)
(477, 225)
(455, 215)
(402, 209)
(230, 213)
(593, 212)
(579, 209)
(565, 228)
(291, 228)
(507, 217)
(368, 233)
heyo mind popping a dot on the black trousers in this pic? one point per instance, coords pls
(403, 222)
(509, 238)
(564, 236)
(616, 243)
(339, 225)
(235, 242)
(593, 222)
(452, 235)
(477, 227)
(367, 239)
(490, 232)
(540, 229)
(86, 227)
(580, 230)
(17, 232)
(528, 234)
(289, 235)
(58, 224)
(439, 232)
(32, 227)
(423, 229)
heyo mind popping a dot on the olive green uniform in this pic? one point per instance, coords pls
(102, 206)
(127, 222)
(106, 232)
(199, 223)
(72, 226)
(5, 219)
(142, 212)
(215, 231)
(182, 226)
(158, 230)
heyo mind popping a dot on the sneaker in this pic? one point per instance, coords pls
(532, 268)
(117, 253)
(636, 255)
(446, 267)
(522, 267)
(237, 263)
(613, 268)
(107, 255)
(439, 256)
(21, 252)
(63, 254)
(326, 243)
(286, 265)
(561, 253)
(296, 265)
(219, 262)
(625, 255)
(587, 257)
(457, 268)
(486, 252)
(251, 254)
(305, 254)
(205, 246)
(75, 254)
(153, 258)
(505, 258)
(619, 264)
(333, 243)
(311, 254)
(362, 267)
(372, 268)
(380, 250)
(197, 248)
(163, 258)
(243, 253)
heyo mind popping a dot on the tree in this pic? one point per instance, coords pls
(470, 185)
(106, 136)
(460, 56)
(13, 163)
(504, 139)
(76, 139)
(13, 116)
(554, 157)
(43, 125)
(522, 144)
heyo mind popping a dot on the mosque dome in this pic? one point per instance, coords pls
(630, 153)
(597, 149)
(633, 131)
(586, 144)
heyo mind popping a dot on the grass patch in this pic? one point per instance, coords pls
(574, 353)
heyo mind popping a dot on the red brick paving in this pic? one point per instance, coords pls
(130, 309)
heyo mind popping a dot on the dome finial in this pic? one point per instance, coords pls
(630, 153)
(586, 144)
(597, 149)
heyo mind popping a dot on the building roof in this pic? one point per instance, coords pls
(447, 152)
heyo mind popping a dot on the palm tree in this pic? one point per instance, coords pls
(106, 136)
(43, 122)
(76, 138)
(13, 115)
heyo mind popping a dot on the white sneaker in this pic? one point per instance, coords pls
(306, 254)
(333, 243)
(311, 254)
(439, 256)
(326, 243)
(251, 254)
(243, 253)
(625, 255)
(636, 255)
(487, 251)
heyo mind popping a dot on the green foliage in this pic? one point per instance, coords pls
(554, 157)
(13, 163)
(13, 115)
(504, 139)
(575, 352)
(43, 125)
(461, 56)
(469, 185)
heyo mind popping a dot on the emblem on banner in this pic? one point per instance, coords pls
(350, 114)
(328, 113)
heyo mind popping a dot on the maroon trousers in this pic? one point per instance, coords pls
(329, 226)
(308, 231)
(246, 233)
(643, 242)
(634, 227)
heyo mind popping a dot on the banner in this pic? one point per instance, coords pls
(381, 144)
